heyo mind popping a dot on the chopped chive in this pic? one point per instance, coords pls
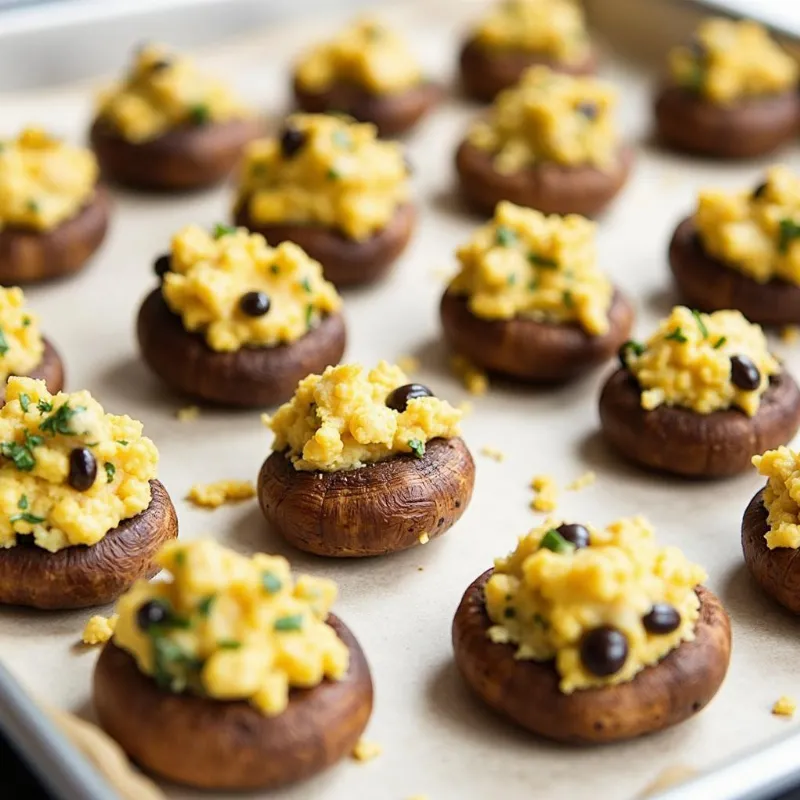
(700, 324)
(25, 401)
(23, 502)
(504, 236)
(542, 261)
(31, 519)
(199, 113)
(306, 284)
(111, 470)
(789, 231)
(271, 583)
(569, 300)
(417, 447)
(292, 623)
(4, 345)
(721, 341)
(554, 541)
(44, 406)
(676, 336)
(26, 321)
(221, 230)
(204, 606)
(229, 644)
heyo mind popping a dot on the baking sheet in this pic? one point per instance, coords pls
(437, 739)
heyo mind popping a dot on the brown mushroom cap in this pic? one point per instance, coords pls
(345, 262)
(683, 442)
(28, 256)
(377, 509)
(744, 129)
(230, 745)
(81, 576)
(50, 370)
(776, 571)
(251, 377)
(183, 159)
(393, 114)
(708, 284)
(548, 187)
(527, 692)
(487, 71)
(528, 350)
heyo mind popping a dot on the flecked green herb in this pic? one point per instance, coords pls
(22, 454)
(270, 582)
(789, 231)
(4, 345)
(25, 516)
(199, 114)
(512, 279)
(542, 261)
(33, 206)
(221, 230)
(569, 300)
(504, 236)
(204, 606)
(229, 644)
(721, 341)
(123, 442)
(275, 269)
(60, 420)
(23, 503)
(309, 315)
(700, 324)
(25, 401)
(554, 541)
(26, 321)
(342, 139)
(111, 470)
(292, 623)
(180, 558)
(676, 336)
(306, 284)
(44, 406)
(333, 174)
(417, 447)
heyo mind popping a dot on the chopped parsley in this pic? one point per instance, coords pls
(333, 174)
(221, 230)
(292, 623)
(721, 341)
(33, 206)
(111, 470)
(25, 401)
(23, 502)
(204, 606)
(26, 321)
(44, 406)
(505, 237)
(22, 454)
(417, 447)
(168, 658)
(700, 324)
(542, 261)
(180, 558)
(229, 644)
(270, 582)
(569, 300)
(123, 442)
(59, 421)
(4, 345)
(199, 114)
(532, 284)
(309, 314)
(306, 284)
(632, 346)
(676, 336)
(275, 269)
(25, 516)
(789, 231)
(554, 541)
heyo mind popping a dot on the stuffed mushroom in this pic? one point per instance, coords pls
(364, 463)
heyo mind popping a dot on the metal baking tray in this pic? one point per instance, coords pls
(437, 739)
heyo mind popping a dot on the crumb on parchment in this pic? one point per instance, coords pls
(582, 481)
(784, 706)
(99, 629)
(545, 493)
(424, 538)
(188, 414)
(213, 495)
(473, 379)
(790, 334)
(493, 453)
(366, 751)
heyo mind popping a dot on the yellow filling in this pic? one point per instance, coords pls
(21, 344)
(38, 431)
(339, 420)
(236, 628)
(99, 629)
(552, 28)
(755, 231)
(341, 177)
(544, 602)
(163, 91)
(784, 706)
(43, 181)
(550, 117)
(731, 60)
(525, 264)
(687, 362)
(210, 274)
(366, 54)
(781, 468)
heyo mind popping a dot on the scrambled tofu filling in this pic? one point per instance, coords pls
(728, 60)
(755, 231)
(525, 264)
(549, 117)
(603, 609)
(703, 362)
(214, 495)
(238, 291)
(69, 472)
(781, 468)
(342, 419)
(230, 627)
(21, 343)
(163, 91)
(366, 54)
(43, 181)
(328, 171)
(552, 28)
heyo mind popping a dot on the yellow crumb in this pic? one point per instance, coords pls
(581, 482)
(188, 414)
(493, 453)
(213, 495)
(784, 706)
(790, 334)
(473, 379)
(366, 751)
(418, 797)
(424, 538)
(99, 629)
(546, 490)
(465, 407)
(409, 364)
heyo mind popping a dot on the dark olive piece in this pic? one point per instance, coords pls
(82, 469)
(292, 140)
(744, 374)
(604, 651)
(574, 534)
(398, 399)
(162, 265)
(760, 190)
(662, 618)
(151, 613)
(588, 109)
(254, 304)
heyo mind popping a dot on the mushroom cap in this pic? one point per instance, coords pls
(744, 129)
(684, 442)
(80, 576)
(393, 113)
(250, 377)
(527, 692)
(529, 350)
(230, 745)
(486, 72)
(776, 571)
(185, 158)
(377, 509)
(50, 370)
(345, 262)
(548, 187)
(29, 256)
(708, 284)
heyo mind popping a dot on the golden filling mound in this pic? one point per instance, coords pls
(550, 117)
(781, 468)
(553, 28)
(328, 171)
(340, 420)
(162, 91)
(231, 627)
(39, 434)
(43, 181)
(755, 231)
(21, 344)
(212, 279)
(366, 54)
(703, 362)
(729, 60)
(553, 600)
(525, 264)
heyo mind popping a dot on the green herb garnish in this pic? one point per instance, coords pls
(306, 284)
(166, 657)
(44, 406)
(505, 237)
(270, 582)
(26, 321)
(199, 114)
(721, 341)
(676, 336)
(22, 454)
(333, 174)
(542, 261)
(637, 348)
(700, 324)
(33, 206)
(789, 231)
(4, 345)
(275, 269)
(25, 401)
(111, 470)
(25, 516)
(293, 623)
(569, 300)
(554, 541)
(23, 502)
(309, 315)
(123, 442)
(417, 447)
(180, 558)
(204, 606)
(59, 421)
(229, 644)
(221, 230)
